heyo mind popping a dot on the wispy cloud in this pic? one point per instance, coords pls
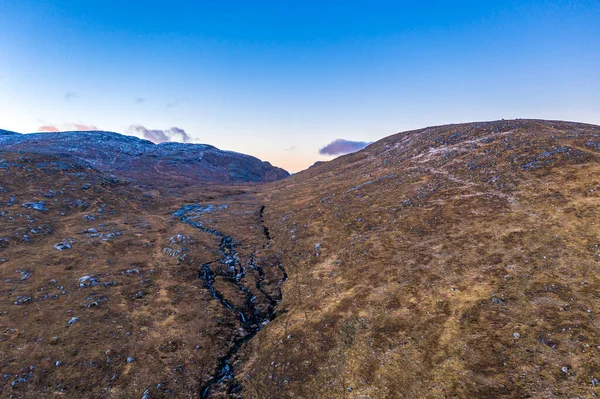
(140, 100)
(81, 127)
(48, 128)
(65, 127)
(160, 136)
(341, 146)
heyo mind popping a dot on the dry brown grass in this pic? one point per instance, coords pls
(436, 247)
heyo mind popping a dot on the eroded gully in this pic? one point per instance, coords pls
(252, 317)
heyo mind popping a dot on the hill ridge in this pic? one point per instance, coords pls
(144, 160)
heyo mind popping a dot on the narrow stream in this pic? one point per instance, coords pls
(251, 317)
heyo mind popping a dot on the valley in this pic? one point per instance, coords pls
(451, 261)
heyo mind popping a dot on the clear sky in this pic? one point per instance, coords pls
(282, 79)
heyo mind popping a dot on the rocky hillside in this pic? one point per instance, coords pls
(143, 160)
(453, 261)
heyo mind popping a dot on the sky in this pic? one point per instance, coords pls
(293, 82)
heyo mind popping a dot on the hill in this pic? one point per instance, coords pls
(451, 261)
(129, 156)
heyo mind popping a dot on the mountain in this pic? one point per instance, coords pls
(143, 160)
(451, 261)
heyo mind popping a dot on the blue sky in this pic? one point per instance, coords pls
(282, 79)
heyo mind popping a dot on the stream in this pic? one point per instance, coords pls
(251, 317)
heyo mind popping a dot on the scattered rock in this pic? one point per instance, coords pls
(25, 274)
(38, 206)
(88, 281)
(72, 321)
(65, 244)
(21, 299)
(497, 301)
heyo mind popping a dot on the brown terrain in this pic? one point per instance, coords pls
(454, 261)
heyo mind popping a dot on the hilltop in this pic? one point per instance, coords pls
(142, 160)
(451, 261)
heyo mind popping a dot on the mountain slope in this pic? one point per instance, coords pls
(143, 160)
(101, 290)
(452, 261)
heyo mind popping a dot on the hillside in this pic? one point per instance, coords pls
(128, 156)
(452, 261)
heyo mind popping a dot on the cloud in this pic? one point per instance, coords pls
(341, 146)
(292, 148)
(160, 136)
(48, 128)
(140, 100)
(65, 127)
(81, 127)
(71, 95)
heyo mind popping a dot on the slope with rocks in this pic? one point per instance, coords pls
(102, 291)
(452, 261)
(143, 160)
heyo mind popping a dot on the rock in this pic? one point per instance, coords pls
(565, 369)
(516, 335)
(72, 321)
(25, 274)
(595, 382)
(497, 301)
(64, 244)
(58, 363)
(21, 299)
(38, 206)
(130, 359)
(88, 281)
(61, 246)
